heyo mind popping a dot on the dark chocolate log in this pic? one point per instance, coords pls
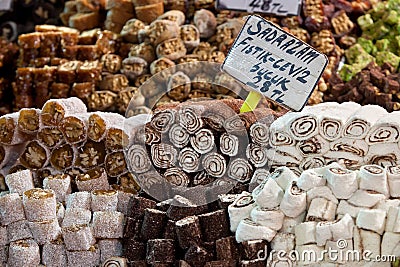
(134, 250)
(188, 231)
(163, 120)
(197, 256)
(181, 207)
(160, 251)
(153, 224)
(189, 160)
(62, 157)
(227, 249)
(190, 118)
(203, 141)
(177, 177)
(163, 155)
(138, 159)
(251, 249)
(257, 155)
(91, 155)
(178, 136)
(138, 205)
(132, 228)
(170, 232)
(214, 225)
(240, 170)
(259, 133)
(230, 144)
(152, 136)
(214, 164)
(115, 163)
(50, 136)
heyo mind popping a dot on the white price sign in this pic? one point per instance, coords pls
(275, 7)
(275, 63)
(5, 4)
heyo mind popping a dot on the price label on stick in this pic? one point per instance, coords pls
(273, 7)
(274, 63)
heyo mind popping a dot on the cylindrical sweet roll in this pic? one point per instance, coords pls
(289, 223)
(268, 194)
(20, 181)
(259, 132)
(321, 192)
(39, 204)
(29, 120)
(310, 179)
(203, 141)
(283, 242)
(103, 200)
(79, 200)
(301, 125)
(45, 231)
(189, 160)
(240, 209)
(393, 176)
(257, 155)
(282, 155)
(272, 218)
(11, 208)
(283, 177)
(365, 240)
(214, 164)
(385, 130)
(343, 228)
(35, 155)
(353, 148)
(390, 244)
(74, 128)
(258, 177)
(60, 184)
(99, 123)
(373, 220)
(54, 111)
(10, 154)
(240, 170)
(366, 199)
(24, 253)
(138, 160)
(11, 135)
(373, 177)
(305, 233)
(89, 257)
(114, 262)
(279, 135)
(248, 230)
(342, 182)
(314, 146)
(178, 136)
(393, 220)
(78, 237)
(294, 201)
(76, 216)
(94, 179)
(323, 233)
(321, 209)
(54, 254)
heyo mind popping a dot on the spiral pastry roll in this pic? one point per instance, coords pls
(240, 209)
(321, 209)
(20, 181)
(310, 179)
(294, 201)
(365, 198)
(189, 160)
(279, 136)
(383, 154)
(283, 155)
(342, 182)
(268, 194)
(190, 117)
(301, 125)
(314, 146)
(163, 155)
(230, 144)
(163, 120)
(258, 177)
(393, 176)
(348, 147)
(372, 219)
(259, 133)
(240, 170)
(137, 159)
(60, 184)
(373, 177)
(24, 253)
(39, 204)
(312, 163)
(248, 230)
(214, 164)
(272, 218)
(257, 155)
(385, 130)
(177, 177)
(115, 262)
(203, 141)
(360, 123)
(305, 233)
(178, 136)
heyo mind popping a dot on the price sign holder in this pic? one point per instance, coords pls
(272, 7)
(275, 64)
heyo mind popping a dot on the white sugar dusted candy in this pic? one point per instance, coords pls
(54, 110)
(100, 122)
(282, 155)
(373, 220)
(283, 241)
(367, 199)
(345, 208)
(115, 262)
(11, 134)
(385, 130)
(305, 233)
(24, 253)
(10, 154)
(283, 176)
(393, 176)
(124, 197)
(310, 179)
(258, 177)
(294, 201)
(240, 209)
(108, 224)
(86, 258)
(342, 228)
(390, 244)
(313, 147)
(268, 194)
(321, 192)
(248, 230)
(348, 148)
(54, 254)
(103, 200)
(301, 125)
(11, 209)
(18, 231)
(60, 184)
(290, 223)
(344, 247)
(39, 204)
(321, 210)
(109, 248)
(78, 237)
(79, 200)
(272, 218)
(20, 181)
(3, 254)
(312, 248)
(95, 179)
(393, 220)
(60, 212)
(45, 231)
(383, 154)
(386, 204)
(373, 177)
(76, 216)
(279, 135)
(360, 122)
(342, 182)
(365, 240)
(3, 236)
(323, 233)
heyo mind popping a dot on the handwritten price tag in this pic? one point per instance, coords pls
(274, 7)
(274, 63)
